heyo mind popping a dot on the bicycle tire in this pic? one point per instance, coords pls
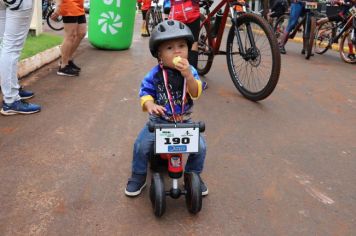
(321, 43)
(204, 49)
(150, 21)
(55, 25)
(310, 41)
(237, 76)
(280, 26)
(344, 50)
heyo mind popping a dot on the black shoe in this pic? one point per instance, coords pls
(74, 66)
(67, 71)
(282, 50)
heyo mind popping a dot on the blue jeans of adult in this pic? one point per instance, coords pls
(144, 147)
(14, 27)
(296, 10)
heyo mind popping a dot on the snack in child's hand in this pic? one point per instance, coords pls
(176, 60)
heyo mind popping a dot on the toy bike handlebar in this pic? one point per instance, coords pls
(200, 125)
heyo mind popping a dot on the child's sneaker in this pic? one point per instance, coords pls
(67, 71)
(204, 188)
(19, 107)
(24, 94)
(135, 185)
(74, 66)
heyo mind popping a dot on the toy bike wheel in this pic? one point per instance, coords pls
(193, 197)
(157, 195)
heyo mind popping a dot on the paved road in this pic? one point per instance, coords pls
(283, 166)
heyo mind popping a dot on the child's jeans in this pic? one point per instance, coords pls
(144, 147)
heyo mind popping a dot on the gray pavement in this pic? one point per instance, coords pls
(283, 166)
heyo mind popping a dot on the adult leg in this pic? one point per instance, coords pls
(81, 32)
(69, 40)
(295, 12)
(193, 55)
(14, 28)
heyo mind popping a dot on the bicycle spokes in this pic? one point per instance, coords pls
(253, 58)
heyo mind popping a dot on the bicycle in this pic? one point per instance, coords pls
(330, 33)
(309, 25)
(253, 59)
(171, 142)
(48, 10)
(153, 16)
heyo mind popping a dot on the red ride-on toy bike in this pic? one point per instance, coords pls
(171, 142)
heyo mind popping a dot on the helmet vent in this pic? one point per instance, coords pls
(170, 22)
(161, 28)
(181, 26)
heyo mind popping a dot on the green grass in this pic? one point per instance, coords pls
(34, 45)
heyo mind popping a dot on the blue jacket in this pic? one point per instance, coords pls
(153, 88)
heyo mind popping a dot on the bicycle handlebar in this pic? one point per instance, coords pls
(152, 126)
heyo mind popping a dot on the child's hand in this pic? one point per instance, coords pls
(153, 108)
(183, 66)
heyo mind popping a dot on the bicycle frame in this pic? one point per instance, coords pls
(344, 28)
(216, 42)
(306, 30)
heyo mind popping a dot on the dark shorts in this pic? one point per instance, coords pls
(195, 27)
(75, 19)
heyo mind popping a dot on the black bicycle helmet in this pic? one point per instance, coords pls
(167, 30)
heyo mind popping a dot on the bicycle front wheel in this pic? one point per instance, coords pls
(323, 36)
(150, 21)
(57, 24)
(345, 47)
(254, 70)
(205, 51)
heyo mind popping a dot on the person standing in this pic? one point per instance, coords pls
(15, 19)
(188, 12)
(75, 29)
(145, 7)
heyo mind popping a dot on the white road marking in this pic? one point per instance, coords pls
(315, 193)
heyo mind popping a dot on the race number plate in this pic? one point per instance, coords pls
(177, 140)
(353, 11)
(311, 5)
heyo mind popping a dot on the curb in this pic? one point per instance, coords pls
(334, 46)
(28, 65)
